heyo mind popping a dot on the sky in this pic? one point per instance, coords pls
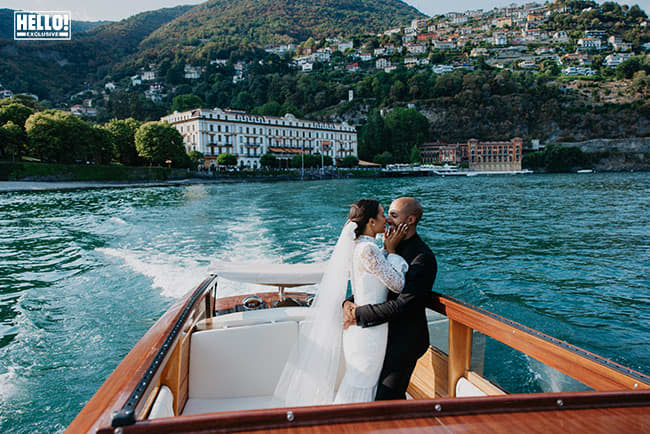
(93, 10)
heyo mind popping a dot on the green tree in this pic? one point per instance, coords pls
(373, 136)
(627, 68)
(271, 108)
(563, 159)
(268, 160)
(415, 155)
(407, 127)
(100, 145)
(16, 113)
(534, 160)
(384, 158)
(159, 142)
(196, 158)
(12, 140)
(25, 100)
(57, 136)
(349, 161)
(243, 101)
(176, 73)
(186, 102)
(123, 137)
(226, 159)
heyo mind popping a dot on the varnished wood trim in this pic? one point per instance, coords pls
(151, 398)
(591, 369)
(460, 353)
(429, 379)
(393, 410)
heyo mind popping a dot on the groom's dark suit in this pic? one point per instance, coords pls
(408, 334)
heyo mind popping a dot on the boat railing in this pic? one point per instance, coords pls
(592, 370)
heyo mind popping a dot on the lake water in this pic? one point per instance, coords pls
(85, 273)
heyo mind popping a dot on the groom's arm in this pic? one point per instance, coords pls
(417, 290)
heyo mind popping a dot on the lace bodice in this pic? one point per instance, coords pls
(374, 271)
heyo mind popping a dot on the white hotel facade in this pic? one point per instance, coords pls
(250, 136)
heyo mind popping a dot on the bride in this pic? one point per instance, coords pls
(313, 368)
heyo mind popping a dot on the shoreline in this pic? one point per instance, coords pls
(44, 186)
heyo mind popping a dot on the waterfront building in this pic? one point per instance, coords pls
(495, 156)
(439, 153)
(483, 156)
(250, 136)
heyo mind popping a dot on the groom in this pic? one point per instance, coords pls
(408, 333)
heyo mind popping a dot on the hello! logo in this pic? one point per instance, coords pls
(42, 25)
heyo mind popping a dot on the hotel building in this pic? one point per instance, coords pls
(484, 156)
(250, 136)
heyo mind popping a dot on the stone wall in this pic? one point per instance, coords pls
(631, 145)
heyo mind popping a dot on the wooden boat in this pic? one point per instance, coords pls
(210, 363)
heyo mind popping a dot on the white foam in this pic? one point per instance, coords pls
(117, 220)
(248, 240)
(173, 274)
(8, 383)
(195, 192)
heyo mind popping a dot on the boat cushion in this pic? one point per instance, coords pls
(198, 406)
(464, 388)
(239, 362)
(238, 319)
(163, 406)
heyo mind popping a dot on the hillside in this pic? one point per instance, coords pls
(54, 69)
(272, 21)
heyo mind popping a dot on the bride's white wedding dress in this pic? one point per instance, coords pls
(373, 275)
(310, 374)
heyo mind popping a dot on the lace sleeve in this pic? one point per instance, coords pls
(389, 270)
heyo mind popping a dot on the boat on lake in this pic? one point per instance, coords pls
(211, 363)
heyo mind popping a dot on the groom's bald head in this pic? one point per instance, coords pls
(409, 206)
(405, 210)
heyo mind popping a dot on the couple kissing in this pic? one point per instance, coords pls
(381, 330)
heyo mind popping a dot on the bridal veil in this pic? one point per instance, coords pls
(311, 372)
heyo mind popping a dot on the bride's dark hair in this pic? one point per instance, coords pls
(361, 212)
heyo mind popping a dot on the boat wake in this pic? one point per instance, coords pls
(176, 275)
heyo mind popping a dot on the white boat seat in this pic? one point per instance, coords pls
(238, 319)
(239, 362)
(163, 406)
(198, 406)
(464, 388)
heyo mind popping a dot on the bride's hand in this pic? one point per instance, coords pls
(392, 238)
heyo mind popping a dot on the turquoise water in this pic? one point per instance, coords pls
(84, 273)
